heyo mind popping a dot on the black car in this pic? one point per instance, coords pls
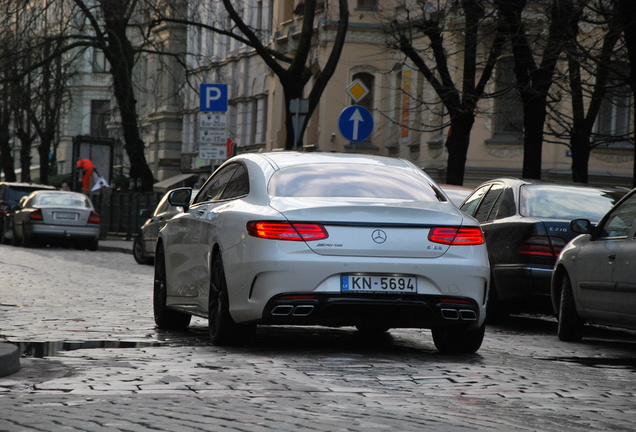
(526, 224)
(10, 195)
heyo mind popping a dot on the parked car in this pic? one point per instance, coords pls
(322, 239)
(526, 224)
(146, 239)
(10, 194)
(594, 278)
(50, 215)
(457, 194)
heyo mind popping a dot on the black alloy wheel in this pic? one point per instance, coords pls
(138, 250)
(222, 329)
(165, 318)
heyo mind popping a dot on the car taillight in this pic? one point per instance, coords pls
(456, 236)
(542, 246)
(93, 218)
(287, 231)
(4, 210)
(36, 215)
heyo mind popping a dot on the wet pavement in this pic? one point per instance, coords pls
(93, 361)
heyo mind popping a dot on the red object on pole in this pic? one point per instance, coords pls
(87, 174)
(230, 148)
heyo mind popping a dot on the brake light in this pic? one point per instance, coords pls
(287, 231)
(93, 218)
(36, 215)
(542, 246)
(456, 236)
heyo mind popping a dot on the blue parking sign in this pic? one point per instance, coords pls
(213, 97)
(355, 123)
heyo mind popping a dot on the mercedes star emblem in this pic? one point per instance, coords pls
(378, 236)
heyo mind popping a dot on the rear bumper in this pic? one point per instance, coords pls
(522, 280)
(62, 231)
(413, 311)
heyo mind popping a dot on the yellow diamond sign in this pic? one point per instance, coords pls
(357, 90)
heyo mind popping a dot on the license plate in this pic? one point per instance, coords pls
(378, 284)
(63, 215)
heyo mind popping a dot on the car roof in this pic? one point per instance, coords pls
(524, 181)
(27, 185)
(290, 158)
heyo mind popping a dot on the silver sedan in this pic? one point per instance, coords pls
(327, 239)
(56, 216)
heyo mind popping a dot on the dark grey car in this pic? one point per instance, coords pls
(146, 240)
(10, 195)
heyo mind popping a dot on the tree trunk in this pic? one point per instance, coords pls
(457, 146)
(121, 57)
(580, 146)
(533, 120)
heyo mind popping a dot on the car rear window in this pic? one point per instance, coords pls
(565, 202)
(351, 181)
(14, 193)
(61, 201)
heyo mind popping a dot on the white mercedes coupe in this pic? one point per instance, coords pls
(289, 238)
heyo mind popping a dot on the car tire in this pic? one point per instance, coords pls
(93, 245)
(570, 328)
(496, 312)
(222, 330)
(453, 340)
(138, 250)
(15, 241)
(165, 318)
(27, 241)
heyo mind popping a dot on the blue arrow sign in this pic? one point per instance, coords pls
(213, 97)
(355, 123)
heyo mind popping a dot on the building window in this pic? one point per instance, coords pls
(100, 64)
(508, 105)
(99, 118)
(367, 4)
(613, 122)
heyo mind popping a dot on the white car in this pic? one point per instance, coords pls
(594, 277)
(329, 239)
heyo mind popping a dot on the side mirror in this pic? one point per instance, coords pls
(180, 198)
(581, 226)
(145, 214)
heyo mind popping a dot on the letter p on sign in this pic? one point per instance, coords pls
(213, 97)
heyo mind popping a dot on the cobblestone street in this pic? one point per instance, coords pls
(96, 362)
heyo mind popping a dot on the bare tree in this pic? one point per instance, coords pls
(294, 69)
(111, 21)
(534, 73)
(592, 58)
(627, 12)
(418, 20)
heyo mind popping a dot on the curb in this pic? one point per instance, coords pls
(9, 359)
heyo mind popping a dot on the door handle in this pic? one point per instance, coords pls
(611, 257)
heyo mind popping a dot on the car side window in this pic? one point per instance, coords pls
(212, 190)
(239, 185)
(488, 207)
(620, 221)
(471, 203)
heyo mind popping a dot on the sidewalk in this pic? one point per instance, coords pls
(9, 353)
(116, 244)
